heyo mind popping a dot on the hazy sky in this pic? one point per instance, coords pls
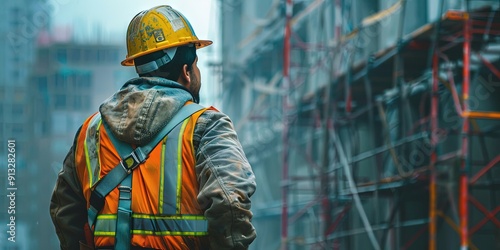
(110, 18)
(106, 21)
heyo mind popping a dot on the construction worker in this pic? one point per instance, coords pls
(153, 169)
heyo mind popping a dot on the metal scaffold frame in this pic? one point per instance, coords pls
(472, 27)
(387, 149)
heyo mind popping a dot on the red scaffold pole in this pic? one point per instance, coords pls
(464, 182)
(286, 82)
(434, 129)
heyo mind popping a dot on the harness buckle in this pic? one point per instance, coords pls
(133, 160)
(125, 192)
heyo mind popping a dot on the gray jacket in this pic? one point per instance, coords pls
(226, 180)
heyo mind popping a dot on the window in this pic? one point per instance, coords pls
(15, 12)
(16, 74)
(59, 146)
(83, 81)
(59, 123)
(16, 59)
(14, 129)
(86, 102)
(17, 109)
(42, 84)
(113, 55)
(102, 55)
(61, 83)
(70, 80)
(19, 94)
(90, 55)
(17, 129)
(60, 101)
(15, 20)
(45, 128)
(77, 102)
(43, 55)
(61, 55)
(75, 55)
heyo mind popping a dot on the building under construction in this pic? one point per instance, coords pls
(370, 124)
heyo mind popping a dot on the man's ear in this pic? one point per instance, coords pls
(185, 76)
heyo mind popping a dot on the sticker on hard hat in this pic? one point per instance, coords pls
(173, 18)
(158, 34)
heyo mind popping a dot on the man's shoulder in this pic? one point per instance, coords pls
(212, 118)
(211, 114)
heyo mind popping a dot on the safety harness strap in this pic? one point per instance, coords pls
(124, 214)
(130, 161)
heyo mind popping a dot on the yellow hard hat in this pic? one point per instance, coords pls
(159, 28)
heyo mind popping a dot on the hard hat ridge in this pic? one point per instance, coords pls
(156, 29)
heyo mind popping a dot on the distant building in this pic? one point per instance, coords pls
(67, 86)
(18, 32)
(21, 23)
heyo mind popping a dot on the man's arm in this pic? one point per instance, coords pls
(226, 182)
(68, 206)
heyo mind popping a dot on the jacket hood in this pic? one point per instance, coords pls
(142, 107)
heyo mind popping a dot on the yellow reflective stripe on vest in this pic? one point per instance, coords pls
(179, 166)
(162, 174)
(91, 145)
(181, 225)
(172, 172)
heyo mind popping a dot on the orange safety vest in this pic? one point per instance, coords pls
(165, 211)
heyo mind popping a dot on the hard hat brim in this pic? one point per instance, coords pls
(129, 61)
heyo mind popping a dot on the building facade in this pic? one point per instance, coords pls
(21, 23)
(68, 86)
(369, 124)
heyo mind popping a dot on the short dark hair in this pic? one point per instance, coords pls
(184, 55)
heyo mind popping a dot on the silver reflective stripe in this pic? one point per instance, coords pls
(92, 140)
(156, 64)
(172, 171)
(155, 225)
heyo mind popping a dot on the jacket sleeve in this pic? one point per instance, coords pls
(226, 182)
(68, 205)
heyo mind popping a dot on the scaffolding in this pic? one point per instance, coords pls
(399, 148)
(456, 29)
